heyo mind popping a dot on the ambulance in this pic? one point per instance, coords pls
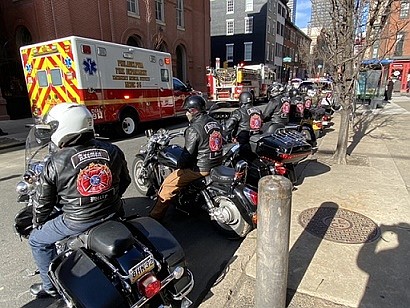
(119, 84)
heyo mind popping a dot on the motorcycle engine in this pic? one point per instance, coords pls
(165, 171)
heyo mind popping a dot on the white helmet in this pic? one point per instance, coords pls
(68, 120)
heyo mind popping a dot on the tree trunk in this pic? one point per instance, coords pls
(341, 148)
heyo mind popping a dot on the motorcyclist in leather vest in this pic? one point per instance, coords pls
(276, 114)
(202, 152)
(244, 122)
(84, 177)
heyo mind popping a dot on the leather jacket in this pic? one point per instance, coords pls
(203, 144)
(273, 111)
(243, 122)
(86, 180)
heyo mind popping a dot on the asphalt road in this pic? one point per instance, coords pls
(207, 251)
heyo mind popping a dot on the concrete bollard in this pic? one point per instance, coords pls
(272, 248)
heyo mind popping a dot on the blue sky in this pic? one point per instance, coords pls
(303, 12)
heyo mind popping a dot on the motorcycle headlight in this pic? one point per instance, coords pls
(22, 188)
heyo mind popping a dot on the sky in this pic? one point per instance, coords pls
(303, 12)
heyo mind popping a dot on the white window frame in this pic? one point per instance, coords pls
(159, 10)
(247, 51)
(248, 5)
(229, 52)
(230, 26)
(180, 14)
(267, 51)
(230, 8)
(404, 9)
(133, 4)
(248, 24)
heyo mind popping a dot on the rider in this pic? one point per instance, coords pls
(244, 122)
(85, 177)
(202, 151)
(276, 113)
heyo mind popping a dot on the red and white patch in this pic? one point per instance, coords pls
(255, 122)
(215, 141)
(94, 179)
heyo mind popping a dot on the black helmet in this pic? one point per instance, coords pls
(293, 93)
(195, 101)
(245, 98)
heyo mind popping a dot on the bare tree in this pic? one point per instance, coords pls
(356, 26)
(156, 39)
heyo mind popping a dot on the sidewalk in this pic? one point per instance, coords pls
(367, 199)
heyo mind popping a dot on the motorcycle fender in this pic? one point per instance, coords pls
(152, 234)
(243, 204)
(76, 273)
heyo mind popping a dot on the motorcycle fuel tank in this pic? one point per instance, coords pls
(170, 155)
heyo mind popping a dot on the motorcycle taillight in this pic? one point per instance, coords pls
(280, 169)
(149, 285)
(251, 195)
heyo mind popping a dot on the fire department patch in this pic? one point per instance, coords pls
(215, 141)
(255, 122)
(94, 179)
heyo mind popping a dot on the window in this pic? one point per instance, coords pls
(399, 44)
(56, 78)
(268, 24)
(180, 13)
(42, 79)
(267, 51)
(159, 10)
(229, 7)
(247, 51)
(132, 7)
(248, 24)
(164, 75)
(248, 5)
(404, 9)
(229, 52)
(229, 27)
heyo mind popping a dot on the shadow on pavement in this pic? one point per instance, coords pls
(305, 247)
(386, 261)
(310, 167)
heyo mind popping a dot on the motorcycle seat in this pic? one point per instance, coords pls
(222, 174)
(111, 238)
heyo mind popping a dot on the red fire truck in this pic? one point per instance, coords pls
(226, 84)
(119, 84)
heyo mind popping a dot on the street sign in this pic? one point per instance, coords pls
(287, 59)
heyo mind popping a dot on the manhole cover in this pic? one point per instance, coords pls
(339, 225)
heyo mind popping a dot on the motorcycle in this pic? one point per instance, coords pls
(229, 202)
(129, 261)
(276, 153)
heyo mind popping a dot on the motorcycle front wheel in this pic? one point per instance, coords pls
(233, 223)
(141, 176)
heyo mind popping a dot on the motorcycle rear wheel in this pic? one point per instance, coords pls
(237, 225)
(141, 183)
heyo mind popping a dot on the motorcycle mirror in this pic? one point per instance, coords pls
(240, 170)
(149, 133)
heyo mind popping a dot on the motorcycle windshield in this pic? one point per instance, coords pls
(38, 145)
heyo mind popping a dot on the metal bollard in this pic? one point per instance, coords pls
(272, 248)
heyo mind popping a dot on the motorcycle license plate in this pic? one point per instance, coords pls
(141, 269)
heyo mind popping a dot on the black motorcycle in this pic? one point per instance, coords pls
(229, 202)
(129, 262)
(276, 153)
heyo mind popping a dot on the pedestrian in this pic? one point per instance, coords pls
(202, 152)
(389, 89)
(84, 177)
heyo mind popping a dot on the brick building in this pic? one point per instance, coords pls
(176, 26)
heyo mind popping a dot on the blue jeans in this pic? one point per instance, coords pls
(42, 242)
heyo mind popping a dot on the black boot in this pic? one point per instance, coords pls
(38, 291)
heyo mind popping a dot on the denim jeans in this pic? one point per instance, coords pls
(42, 242)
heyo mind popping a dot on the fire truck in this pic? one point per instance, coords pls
(226, 84)
(119, 84)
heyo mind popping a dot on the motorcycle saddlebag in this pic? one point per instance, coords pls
(286, 146)
(152, 234)
(84, 282)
